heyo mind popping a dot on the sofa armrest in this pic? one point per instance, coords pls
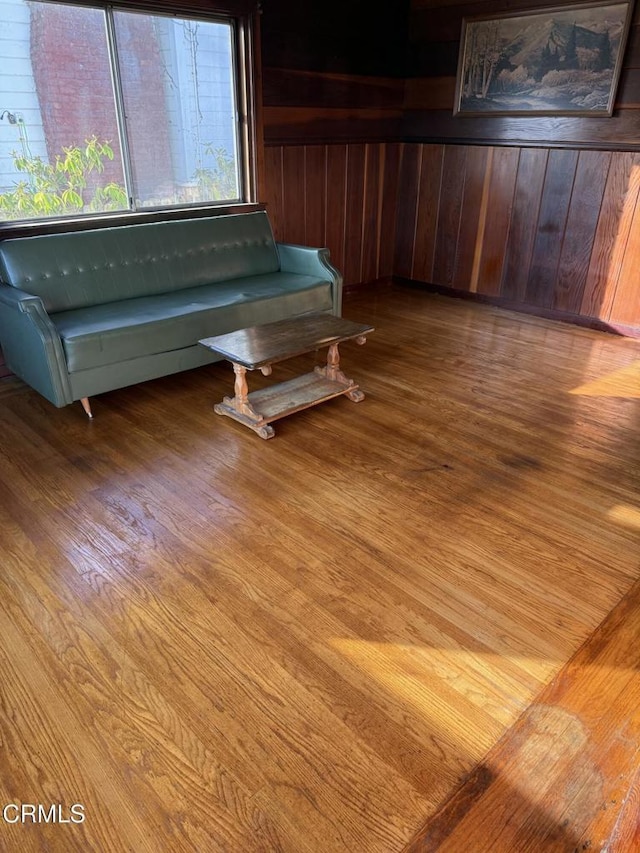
(31, 345)
(309, 261)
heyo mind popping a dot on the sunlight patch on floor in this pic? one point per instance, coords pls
(621, 383)
(624, 514)
(457, 690)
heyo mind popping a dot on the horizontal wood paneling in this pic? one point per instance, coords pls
(303, 125)
(300, 107)
(434, 37)
(620, 132)
(557, 230)
(335, 36)
(341, 196)
(332, 73)
(292, 87)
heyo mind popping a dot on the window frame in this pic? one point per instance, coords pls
(243, 15)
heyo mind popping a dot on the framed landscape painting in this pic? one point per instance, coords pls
(562, 60)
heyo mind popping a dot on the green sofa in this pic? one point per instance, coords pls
(86, 312)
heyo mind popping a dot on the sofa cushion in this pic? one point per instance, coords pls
(84, 268)
(131, 328)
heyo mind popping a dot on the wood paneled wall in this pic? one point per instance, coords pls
(335, 36)
(333, 71)
(339, 196)
(552, 229)
(434, 37)
(550, 222)
(539, 213)
(302, 107)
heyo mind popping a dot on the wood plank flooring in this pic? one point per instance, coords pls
(565, 776)
(216, 643)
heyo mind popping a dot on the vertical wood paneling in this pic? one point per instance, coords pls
(273, 187)
(626, 301)
(557, 232)
(294, 194)
(452, 188)
(554, 206)
(580, 230)
(470, 218)
(616, 215)
(371, 214)
(502, 184)
(390, 164)
(336, 194)
(428, 211)
(343, 197)
(354, 214)
(549, 229)
(532, 167)
(315, 194)
(408, 195)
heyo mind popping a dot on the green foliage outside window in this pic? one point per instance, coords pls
(63, 187)
(218, 181)
(68, 187)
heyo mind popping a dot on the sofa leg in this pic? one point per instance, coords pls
(86, 406)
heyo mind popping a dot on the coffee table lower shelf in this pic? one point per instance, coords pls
(259, 408)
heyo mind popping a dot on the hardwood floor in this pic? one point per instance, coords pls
(358, 636)
(566, 775)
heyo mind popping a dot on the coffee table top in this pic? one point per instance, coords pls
(258, 346)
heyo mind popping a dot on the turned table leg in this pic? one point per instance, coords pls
(332, 372)
(239, 406)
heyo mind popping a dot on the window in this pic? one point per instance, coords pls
(111, 110)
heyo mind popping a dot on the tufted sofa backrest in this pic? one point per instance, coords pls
(82, 268)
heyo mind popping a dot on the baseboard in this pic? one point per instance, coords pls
(385, 281)
(620, 329)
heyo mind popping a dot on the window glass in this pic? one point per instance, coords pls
(59, 148)
(91, 124)
(179, 105)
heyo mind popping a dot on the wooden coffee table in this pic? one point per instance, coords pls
(259, 347)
